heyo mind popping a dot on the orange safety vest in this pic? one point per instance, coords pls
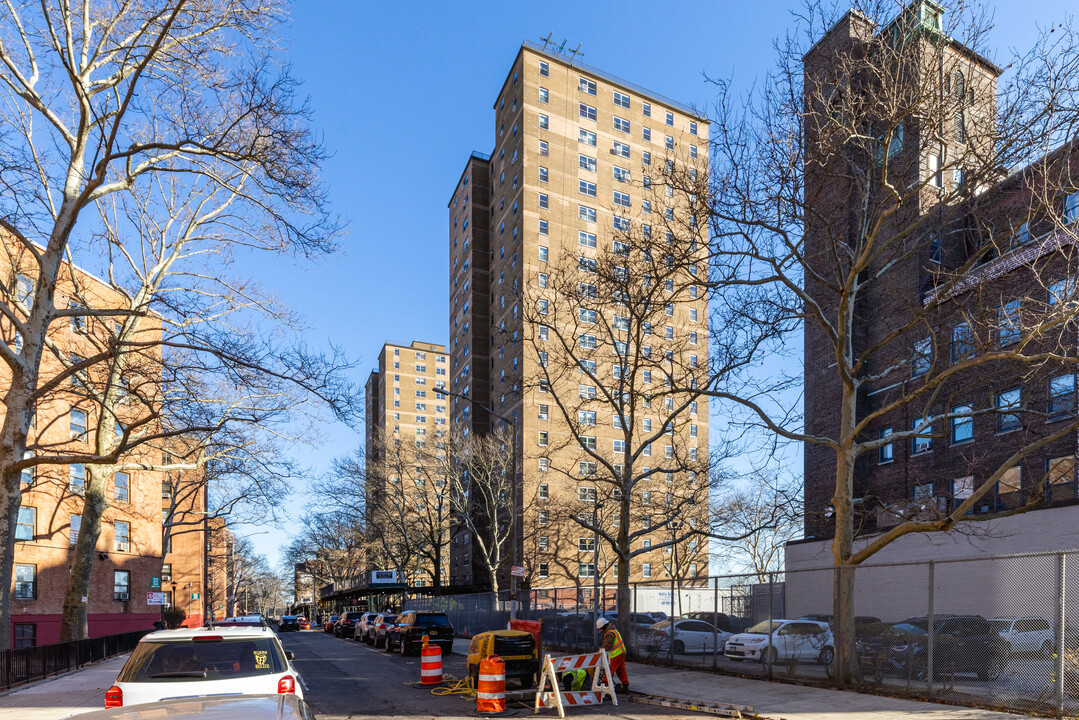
(618, 647)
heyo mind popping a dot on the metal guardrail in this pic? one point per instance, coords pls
(26, 664)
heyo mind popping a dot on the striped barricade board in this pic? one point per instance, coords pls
(549, 692)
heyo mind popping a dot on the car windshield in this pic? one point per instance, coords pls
(912, 627)
(389, 618)
(433, 621)
(353, 616)
(1001, 625)
(764, 628)
(180, 661)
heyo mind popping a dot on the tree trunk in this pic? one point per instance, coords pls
(846, 661)
(10, 499)
(73, 624)
(622, 556)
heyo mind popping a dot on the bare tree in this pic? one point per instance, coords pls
(762, 500)
(101, 96)
(862, 195)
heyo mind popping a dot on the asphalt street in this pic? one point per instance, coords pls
(347, 679)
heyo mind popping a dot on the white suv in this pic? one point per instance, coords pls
(190, 663)
(1026, 634)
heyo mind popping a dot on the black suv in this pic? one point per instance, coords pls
(412, 625)
(962, 644)
(289, 623)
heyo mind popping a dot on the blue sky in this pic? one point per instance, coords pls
(402, 93)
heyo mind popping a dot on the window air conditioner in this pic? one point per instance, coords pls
(122, 596)
(123, 547)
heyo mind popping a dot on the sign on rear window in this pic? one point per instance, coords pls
(188, 661)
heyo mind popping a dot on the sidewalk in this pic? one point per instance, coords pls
(63, 696)
(775, 700)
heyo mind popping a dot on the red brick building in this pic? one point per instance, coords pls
(1010, 235)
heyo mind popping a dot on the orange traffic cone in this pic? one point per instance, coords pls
(430, 664)
(491, 693)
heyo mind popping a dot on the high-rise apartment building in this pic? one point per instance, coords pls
(406, 413)
(578, 162)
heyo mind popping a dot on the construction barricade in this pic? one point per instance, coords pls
(491, 690)
(553, 668)
(430, 665)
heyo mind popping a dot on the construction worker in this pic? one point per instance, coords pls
(616, 652)
(574, 679)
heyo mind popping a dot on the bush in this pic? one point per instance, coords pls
(173, 617)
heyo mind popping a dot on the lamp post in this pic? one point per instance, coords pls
(516, 488)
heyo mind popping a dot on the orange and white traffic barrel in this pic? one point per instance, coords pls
(491, 693)
(430, 665)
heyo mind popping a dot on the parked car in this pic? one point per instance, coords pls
(242, 707)
(289, 623)
(1025, 635)
(685, 636)
(516, 648)
(858, 620)
(412, 625)
(345, 627)
(382, 625)
(241, 621)
(719, 619)
(362, 626)
(962, 644)
(790, 640)
(305, 624)
(197, 662)
(330, 622)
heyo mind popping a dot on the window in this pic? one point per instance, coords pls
(923, 357)
(27, 474)
(542, 412)
(166, 571)
(936, 175)
(693, 128)
(542, 441)
(1011, 481)
(544, 253)
(1071, 208)
(543, 544)
(646, 569)
(586, 163)
(621, 199)
(586, 570)
(587, 111)
(544, 123)
(586, 86)
(1061, 396)
(1008, 410)
(587, 265)
(668, 142)
(586, 316)
(77, 478)
(1061, 470)
(922, 442)
(542, 306)
(544, 517)
(620, 174)
(122, 535)
(587, 342)
(120, 485)
(544, 465)
(544, 69)
(75, 523)
(619, 446)
(586, 188)
(544, 95)
(621, 124)
(543, 202)
(586, 392)
(27, 523)
(586, 417)
(886, 452)
(587, 137)
(544, 228)
(543, 569)
(121, 585)
(1008, 325)
(962, 341)
(621, 99)
(25, 582)
(77, 424)
(620, 149)
(962, 424)
(25, 635)
(543, 493)
(25, 288)
(586, 213)
(646, 134)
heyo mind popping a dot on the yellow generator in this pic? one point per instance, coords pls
(516, 648)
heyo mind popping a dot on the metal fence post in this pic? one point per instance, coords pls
(1061, 616)
(670, 648)
(931, 631)
(715, 623)
(770, 650)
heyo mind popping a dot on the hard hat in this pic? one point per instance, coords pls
(602, 623)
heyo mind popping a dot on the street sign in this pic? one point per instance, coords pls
(155, 582)
(155, 598)
(194, 596)
(383, 576)
(517, 571)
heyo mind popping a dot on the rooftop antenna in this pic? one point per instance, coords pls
(561, 48)
(574, 54)
(547, 40)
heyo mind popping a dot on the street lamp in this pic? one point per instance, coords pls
(513, 476)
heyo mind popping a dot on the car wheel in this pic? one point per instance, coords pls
(404, 648)
(919, 670)
(769, 656)
(1048, 649)
(386, 647)
(992, 669)
(679, 647)
(827, 655)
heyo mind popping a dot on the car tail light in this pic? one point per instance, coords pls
(114, 697)
(286, 685)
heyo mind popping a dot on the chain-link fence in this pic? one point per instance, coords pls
(997, 631)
